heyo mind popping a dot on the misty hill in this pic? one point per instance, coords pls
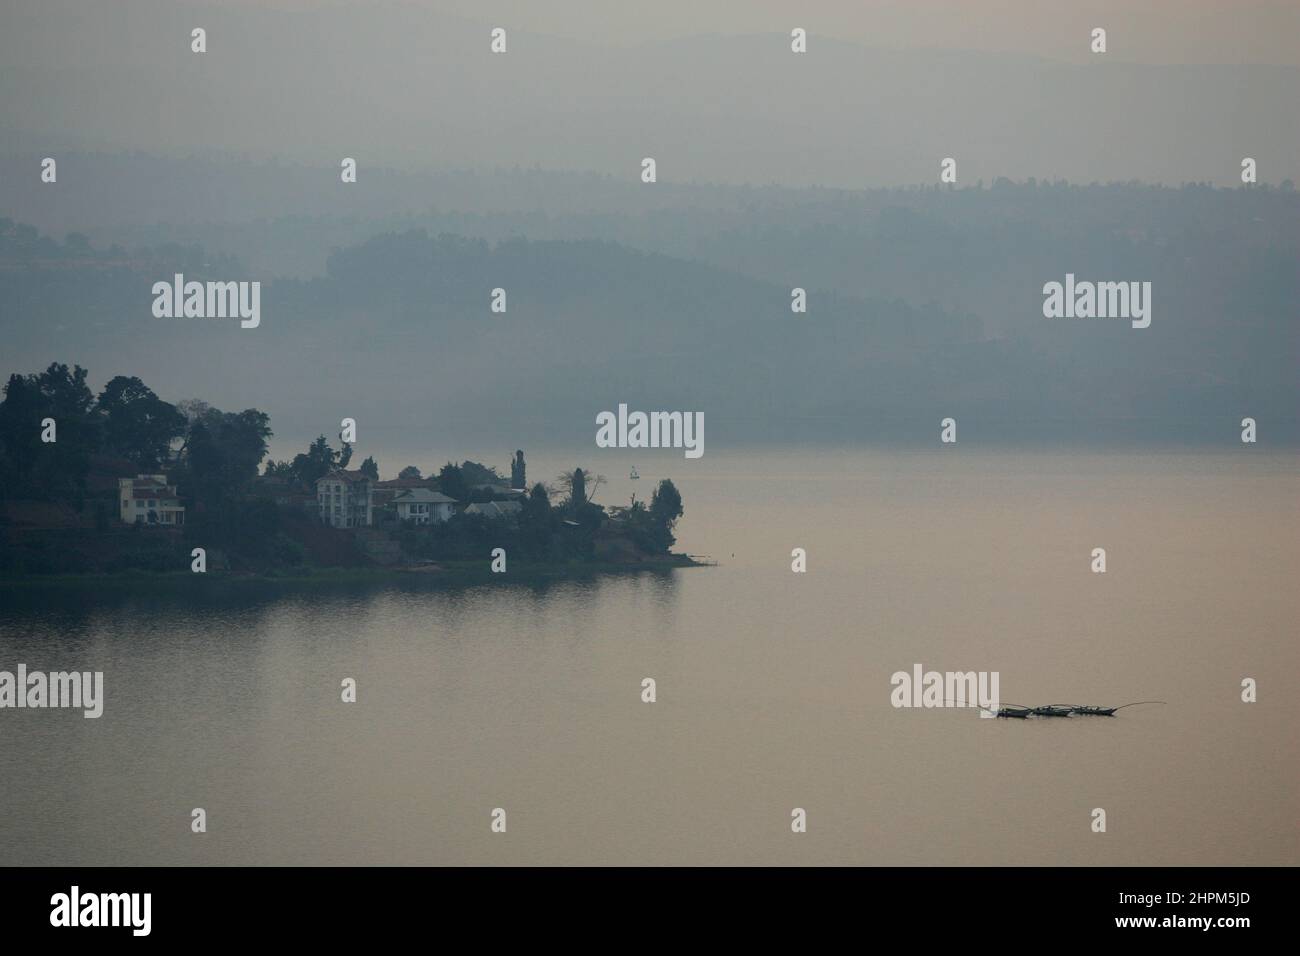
(399, 334)
(1226, 261)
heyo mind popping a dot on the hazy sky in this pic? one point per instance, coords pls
(1142, 31)
(711, 90)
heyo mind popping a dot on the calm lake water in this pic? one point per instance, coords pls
(773, 687)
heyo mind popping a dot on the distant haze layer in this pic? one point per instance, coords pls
(717, 99)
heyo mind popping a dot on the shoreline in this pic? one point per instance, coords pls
(443, 573)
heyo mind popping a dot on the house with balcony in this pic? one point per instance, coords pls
(343, 499)
(383, 493)
(149, 500)
(422, 506)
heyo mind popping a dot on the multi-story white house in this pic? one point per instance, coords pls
(148, 499)
(343, 499)
(422, 506)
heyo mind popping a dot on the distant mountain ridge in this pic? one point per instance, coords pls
(399, 334)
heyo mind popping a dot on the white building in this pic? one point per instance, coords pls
(422, 506)
(148, 499)
(343, 499)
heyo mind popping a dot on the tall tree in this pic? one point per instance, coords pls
(581, 485)
(451, 482)
(410, 471)
(370, 468)
(665, 509)
(318, 461)
(475, 473)
(138, 425)
(539, 499)
(221, 455)
(535, 521)
(41, 469)
(20, 434)
(222, 452)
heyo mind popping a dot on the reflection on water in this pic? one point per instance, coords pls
(773, 688)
